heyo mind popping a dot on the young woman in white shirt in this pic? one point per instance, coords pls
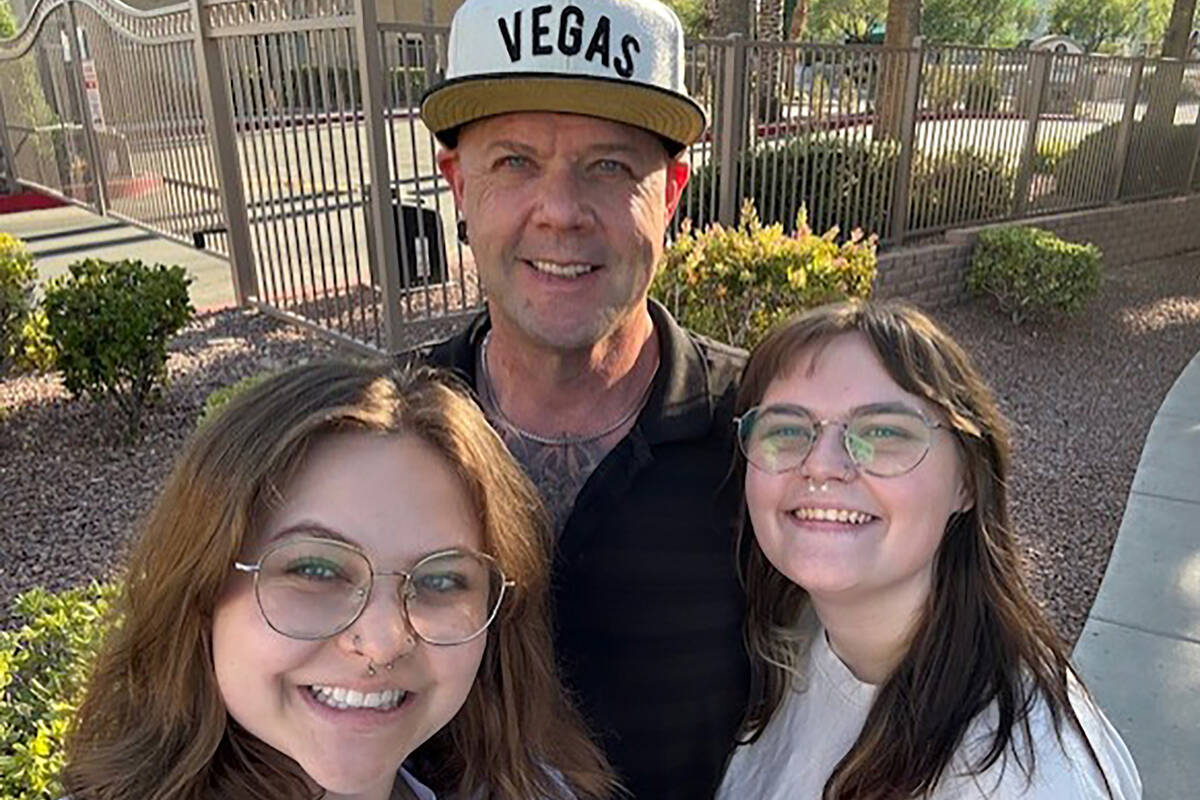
(341, 594)
(897, 650)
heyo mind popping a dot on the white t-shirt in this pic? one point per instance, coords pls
(815, 727)
(420, 790)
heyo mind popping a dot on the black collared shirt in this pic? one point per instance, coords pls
(648, 609)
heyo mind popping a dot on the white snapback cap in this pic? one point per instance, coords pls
(620, 60)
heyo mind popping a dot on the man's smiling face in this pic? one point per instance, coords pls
(566, 216)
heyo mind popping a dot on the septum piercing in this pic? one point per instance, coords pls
(812, 487)
(409, 643)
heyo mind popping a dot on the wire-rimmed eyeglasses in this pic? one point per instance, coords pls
(310, 587)
(884, 440)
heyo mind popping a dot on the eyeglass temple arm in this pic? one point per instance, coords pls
(240, 567)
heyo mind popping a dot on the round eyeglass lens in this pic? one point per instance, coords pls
(887, 443)
(776, 439)
(311, 589)
(452, 597)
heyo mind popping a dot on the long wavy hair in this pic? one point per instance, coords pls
(153, 726)
(980, 639)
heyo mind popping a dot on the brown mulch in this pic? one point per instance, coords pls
(1080, 392)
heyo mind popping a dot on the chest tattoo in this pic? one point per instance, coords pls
(558, 471)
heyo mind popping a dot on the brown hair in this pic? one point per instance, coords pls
(152, 724)
(981, 638)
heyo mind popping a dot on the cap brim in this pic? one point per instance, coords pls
(454, 103)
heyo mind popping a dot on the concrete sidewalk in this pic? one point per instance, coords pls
(1140, 650)
(58, 237)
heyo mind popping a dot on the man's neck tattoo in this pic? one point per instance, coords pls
(558, 466)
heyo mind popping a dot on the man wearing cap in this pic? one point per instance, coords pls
(562, 123)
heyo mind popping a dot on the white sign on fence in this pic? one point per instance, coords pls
(91, 88)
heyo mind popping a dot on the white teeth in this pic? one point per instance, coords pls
(562, 270)
(340, 698)
(832, 515)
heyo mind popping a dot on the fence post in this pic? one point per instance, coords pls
(908, 134)
(8, 176)
(732, 105)
(85, 111)
(1194, 172)
(1125, 132)
(1039, 70)
(382, 250)
(222, 135)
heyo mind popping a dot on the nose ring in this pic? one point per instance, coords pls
(813, 488)
(372, 670)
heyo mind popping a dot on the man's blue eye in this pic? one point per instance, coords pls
(610, 166)
(514, 161)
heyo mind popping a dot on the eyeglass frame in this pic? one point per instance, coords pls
(365, 592)
(820, 424)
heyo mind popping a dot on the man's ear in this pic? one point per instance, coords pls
(677, 178)
(450, 165)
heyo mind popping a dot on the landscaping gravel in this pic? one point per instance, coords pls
(1080, 392)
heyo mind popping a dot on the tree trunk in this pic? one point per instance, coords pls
(730, 16)
(768, 104)
(1168, 77)
(799, 19)
(903, 27)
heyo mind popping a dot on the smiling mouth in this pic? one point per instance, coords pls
(839, 515)
(344, 699)
(563, 270)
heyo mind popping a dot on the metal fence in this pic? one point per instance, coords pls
(283, 135)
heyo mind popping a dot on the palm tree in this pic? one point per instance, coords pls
(769, 28)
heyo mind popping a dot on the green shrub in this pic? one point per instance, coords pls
(36, 353)
(110, 323)
(837, 178)
(1049, 154)
(735, 284)
(950, 87)
(18, 277)
(829, 175)
(1030, 270)
(44, 666)
(960, 186)
(218, 398)
(1152, 167)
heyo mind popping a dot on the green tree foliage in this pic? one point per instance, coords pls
(839, 21)
(44, 666)
(110, 323)
(1030, 270)
(1000, 23)
(693, 14)
(982, 22)
(735, 284)
(8, 22)
(1095, 23)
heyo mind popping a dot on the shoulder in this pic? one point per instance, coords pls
(724, 364)
(1063, 767)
